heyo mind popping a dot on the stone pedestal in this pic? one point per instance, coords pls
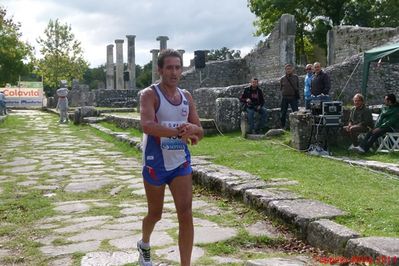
(301, 128)
(131, 61)
(227, 115)
(155, 75)
(163, 42)
(110, 67)
(119, 64)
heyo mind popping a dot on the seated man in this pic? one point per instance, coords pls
(388, 121)
(360, 120)
(253, 101)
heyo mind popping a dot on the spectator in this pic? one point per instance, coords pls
(289, 85)
(3, 108)
(388, 121)
(308, 83)
(360, 120)
(320, 85)
(253, 102)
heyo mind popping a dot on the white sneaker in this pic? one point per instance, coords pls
(351, 147)
(144, 255)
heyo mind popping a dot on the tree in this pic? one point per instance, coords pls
(94, 76)
(223, 53)
(62, 55)
(144, 75)
(317, 17)
(13, 51)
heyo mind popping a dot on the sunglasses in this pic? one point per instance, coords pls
(308, 69)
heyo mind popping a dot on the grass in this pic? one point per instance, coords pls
(371, 199)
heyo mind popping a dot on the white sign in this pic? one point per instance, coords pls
(23, 97)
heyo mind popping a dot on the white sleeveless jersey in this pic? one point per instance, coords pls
(167, 153)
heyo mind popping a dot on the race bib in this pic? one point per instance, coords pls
(172, 143)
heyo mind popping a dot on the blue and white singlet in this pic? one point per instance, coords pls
(162, 155)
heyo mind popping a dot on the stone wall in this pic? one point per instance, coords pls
(82, 96)
(216, 74)
(205, 98)
(265, 62)
(346, 41)
(268, 60)
(116, 98)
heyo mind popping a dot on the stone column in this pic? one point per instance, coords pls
(287, 41)
(131, 61)
(155, 75)
(119, 64)
(110, 67)
(182, 53)
(162, 42)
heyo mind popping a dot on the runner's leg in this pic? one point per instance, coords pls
(155, 197)
(181, 188)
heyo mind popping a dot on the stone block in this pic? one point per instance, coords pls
(293, 261)
(383, 250)
(260, 198)
(330, 236)
(227, 115)
(301, 212)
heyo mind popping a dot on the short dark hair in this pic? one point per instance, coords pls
(254, 79)
(168, 53)
(391, 97)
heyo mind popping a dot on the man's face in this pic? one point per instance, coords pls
(357, 102)
(288, 70)
(317, 68)
(386, 101)
(171, 71)
(254, 83)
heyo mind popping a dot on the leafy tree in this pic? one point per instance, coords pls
(223, 53)
(13, 51)
(315, 18)
(94, 76)
(144, 75)
(62, 55)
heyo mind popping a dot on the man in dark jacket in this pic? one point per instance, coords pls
(360, 120)
(289, 85)
(253, 101)
(320, 82)
(388, 121)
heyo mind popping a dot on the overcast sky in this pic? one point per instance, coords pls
(189, 24)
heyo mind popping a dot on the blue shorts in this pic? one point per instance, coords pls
(151, 176)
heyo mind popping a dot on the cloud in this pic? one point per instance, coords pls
(190, 25)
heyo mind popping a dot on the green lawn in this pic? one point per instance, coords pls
(371, 199)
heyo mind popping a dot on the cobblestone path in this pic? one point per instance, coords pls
(68, 197)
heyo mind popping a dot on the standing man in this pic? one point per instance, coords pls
(360, 120)
(289, 86)
(308, 83)
(320, 83)
(170, 121)
(3, 107)
(388, 121)
(253, 100)
(62, 104)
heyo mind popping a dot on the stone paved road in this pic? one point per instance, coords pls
(97, 201)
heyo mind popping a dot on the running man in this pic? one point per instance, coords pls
(169, 121)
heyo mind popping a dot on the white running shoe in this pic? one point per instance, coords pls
(351, 147)
(144, 255)
(359, 149)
